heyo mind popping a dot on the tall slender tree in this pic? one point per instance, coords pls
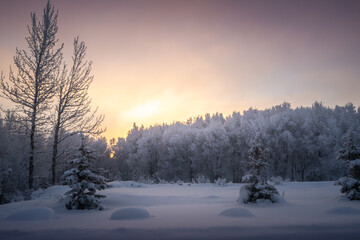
(73, 112)
(33, 86)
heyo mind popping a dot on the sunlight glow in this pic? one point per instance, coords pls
(148, 109)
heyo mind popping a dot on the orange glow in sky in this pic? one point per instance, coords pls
(165, 61)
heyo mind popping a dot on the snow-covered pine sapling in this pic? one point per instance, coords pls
(83, 182)
(350, 185)
(258, 189)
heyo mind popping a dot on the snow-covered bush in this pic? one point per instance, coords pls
(246, 178)
(258, 189)
(13, 196)
(277, 180)
(36, 194)
(12, 186)
(150, 180)
(201, 179)
(350, 185)
(180, 182)
(84, 183)
(220, 182)
(258, 192)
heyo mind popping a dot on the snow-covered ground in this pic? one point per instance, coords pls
(315, 210)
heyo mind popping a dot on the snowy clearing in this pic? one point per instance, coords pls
(315, 210)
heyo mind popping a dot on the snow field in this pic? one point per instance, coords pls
(139, 207)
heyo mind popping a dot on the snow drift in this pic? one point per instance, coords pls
(40, 213)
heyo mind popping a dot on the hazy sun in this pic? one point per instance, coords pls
(145, 110)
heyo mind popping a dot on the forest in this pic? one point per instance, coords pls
(301, 144)
(53, 119)
(227, 120)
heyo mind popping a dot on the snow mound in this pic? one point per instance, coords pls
(344, 211)
(37, 193)
(41, 213)
(130, 214)
(236, 213)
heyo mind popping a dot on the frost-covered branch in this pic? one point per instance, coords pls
(33, 85)
(73, 112)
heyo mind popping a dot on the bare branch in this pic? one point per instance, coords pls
(73, 112)
(34, 84)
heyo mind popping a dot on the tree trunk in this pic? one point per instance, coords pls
(303, 174)
(32, 150)
(54, 155)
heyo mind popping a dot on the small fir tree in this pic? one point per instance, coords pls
(350, 185)
(257, 189)
(84, 182)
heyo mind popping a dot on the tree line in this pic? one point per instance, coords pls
(300, 144)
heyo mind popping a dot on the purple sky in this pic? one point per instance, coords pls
(160, 61)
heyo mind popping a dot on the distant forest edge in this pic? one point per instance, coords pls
(301, 144)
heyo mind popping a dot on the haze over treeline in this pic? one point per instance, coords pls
(159, 61)
(301, 144)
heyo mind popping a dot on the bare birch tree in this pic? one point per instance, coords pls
(73, 112)
(33, 85)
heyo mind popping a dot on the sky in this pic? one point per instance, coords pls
(165, 61)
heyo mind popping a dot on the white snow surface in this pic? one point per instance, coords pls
(33, 214)
(130, 213)
(237, 212)
(313, 210)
